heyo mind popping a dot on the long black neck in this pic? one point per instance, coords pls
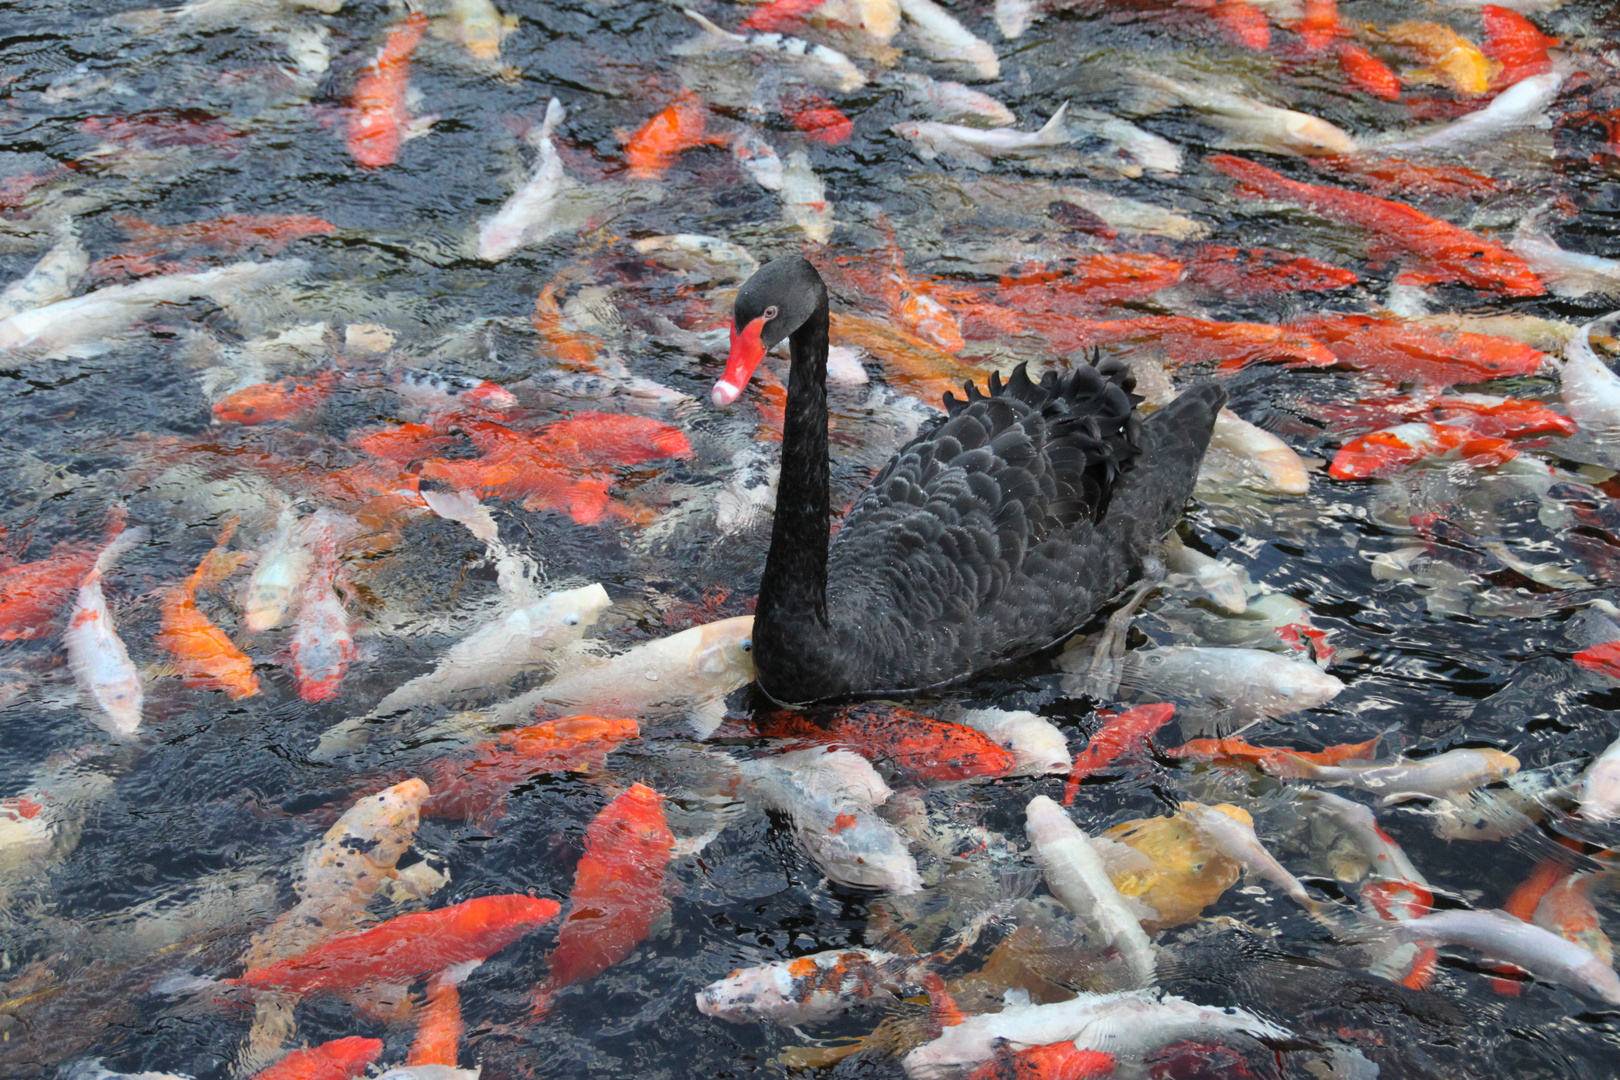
(793, 590)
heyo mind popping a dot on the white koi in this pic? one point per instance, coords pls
(804, 199)
(939, 35)
(1215, 579)
(478, 27)
(807, 989)
(1247, 680)
(278, 575)
(825, 67)
(1389, 862)
(55, 277)
(1033, 197)
(1013, 17)
(96, 654)
(1249, 124)
(952, 101)
(1566, 273)
(1141, 148)
(1075, 874)
(1253, 457)
(758, 158)
(1499, 935)
(82, 325)
(322, 644)
(1599, 793)
(1591, 390)
(1038, 746)
(1130, 1025)
(1451, 773)
(529, 215)
(1522, 105)
(708, 255)
(877, 19)
(977, 146)
(1235, 838)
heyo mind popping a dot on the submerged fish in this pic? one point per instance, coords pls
(378, 117)
(100, 661)
(1451, 773)
(977, 146)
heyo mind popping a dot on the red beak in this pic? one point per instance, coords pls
(747, 350)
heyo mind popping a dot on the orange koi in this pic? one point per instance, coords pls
(913, 366)
(655, 145)
(778, 16)
(31, 594)
(1187, 340)
(1364, 71)
(204, 654)
(918, 748)
(287, 399)
(1391, 176)
(819, 119)
(1453, 59)
(440, 1030)
(1400, 901)
(1603, 659)
(1117, 735)
(401, 444)
(234, 234)
(475, 786)
(1271, 758)
(1399, 350)
(1502, 418)
(618, 892)
(1242, 272)
(575, 349)
(1513, 41)
(1445, 251)
(339, 1059)
(1093, 279)
(377, 112)
(1385, 453)
(917, 302)
(407, 947)
(1567, 911)
(1319, 25)
(1524, 900)
(771, 405)
(1240, 22)
(1054, 1061)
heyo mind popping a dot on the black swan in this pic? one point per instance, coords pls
(990, 535)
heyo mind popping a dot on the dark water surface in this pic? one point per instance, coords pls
(208, 811)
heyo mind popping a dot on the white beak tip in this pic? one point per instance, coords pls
(724, 393)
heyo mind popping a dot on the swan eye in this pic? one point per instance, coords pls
(770, 313)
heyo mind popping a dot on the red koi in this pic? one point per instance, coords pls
(618, 892)
(1514, 42)
(819, 119)
(1091, 280)
(1319, 26)
(287, 400)
(377, 112)
(1502, 418)
(655, 145)
(1444, 251)
(31, 594)
(235, 234)
(1054, 1061)
(474, 786)
(1567, 911)
(918, 747)
(402, 444)
(440, 1029)
(1366, 72)
(1392, 176)
(1240, 22)
(1399, 350)
(1525, 898)
(1385, 453)
(1243, 272)
(1187, 340)
(1603, 659)
(339, 1059)
(1271, 758)
(204, 655)
(407, 947)
(1117, 735)
(778, 16)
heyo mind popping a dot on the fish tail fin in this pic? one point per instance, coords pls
(1055, 130)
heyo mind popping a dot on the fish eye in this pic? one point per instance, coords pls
(770, 313)
(746, 644)
(570, 620)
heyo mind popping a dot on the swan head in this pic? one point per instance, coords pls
(778, 299)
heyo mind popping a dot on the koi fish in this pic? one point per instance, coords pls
(918, 748)
(1567, 273)
(1128, 1025)
(440, 1029)
(915, 366)
(819, 119)
(339, 1059)
(807, 989)
(1089, 280)
(1118, 734)
(939, 36)
(1520, 106)
(827, 68)
(1366, 72)
(804, 198)
(1318, 26)
(1075, 875)
(1590, 389)
(322, 645)
(100, 662)
(1385, 453)
(776, 16)
(977, 146)
(286, 400)
(1453, 59)
(1599, 792)
(1249, 680)
(1243, 272)
(1253, 457)
(1566, 909)
(530, 214)
(1187, 340)
(618, 892)
(952, 101)
(1512, 41)
(407, 947)
(342, 871)
(1389, 862)
(204, 654)
(234, 234)
(1411, 179)
(758, 158)
(56, 276)
(1055, 1061)
(378, 118)
(1444, 251)
(1402, 351)
(479, 27)
(1037, 746)
(474, 786)
(1249, 124)
(655, 145)
(1542, 953)
(1234, 749)
(1401, 901)
(1451, 773)
(32, 593)
(1230, 830)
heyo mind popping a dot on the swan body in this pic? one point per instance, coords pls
(992, 534)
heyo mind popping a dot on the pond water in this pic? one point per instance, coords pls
(1453, 593)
